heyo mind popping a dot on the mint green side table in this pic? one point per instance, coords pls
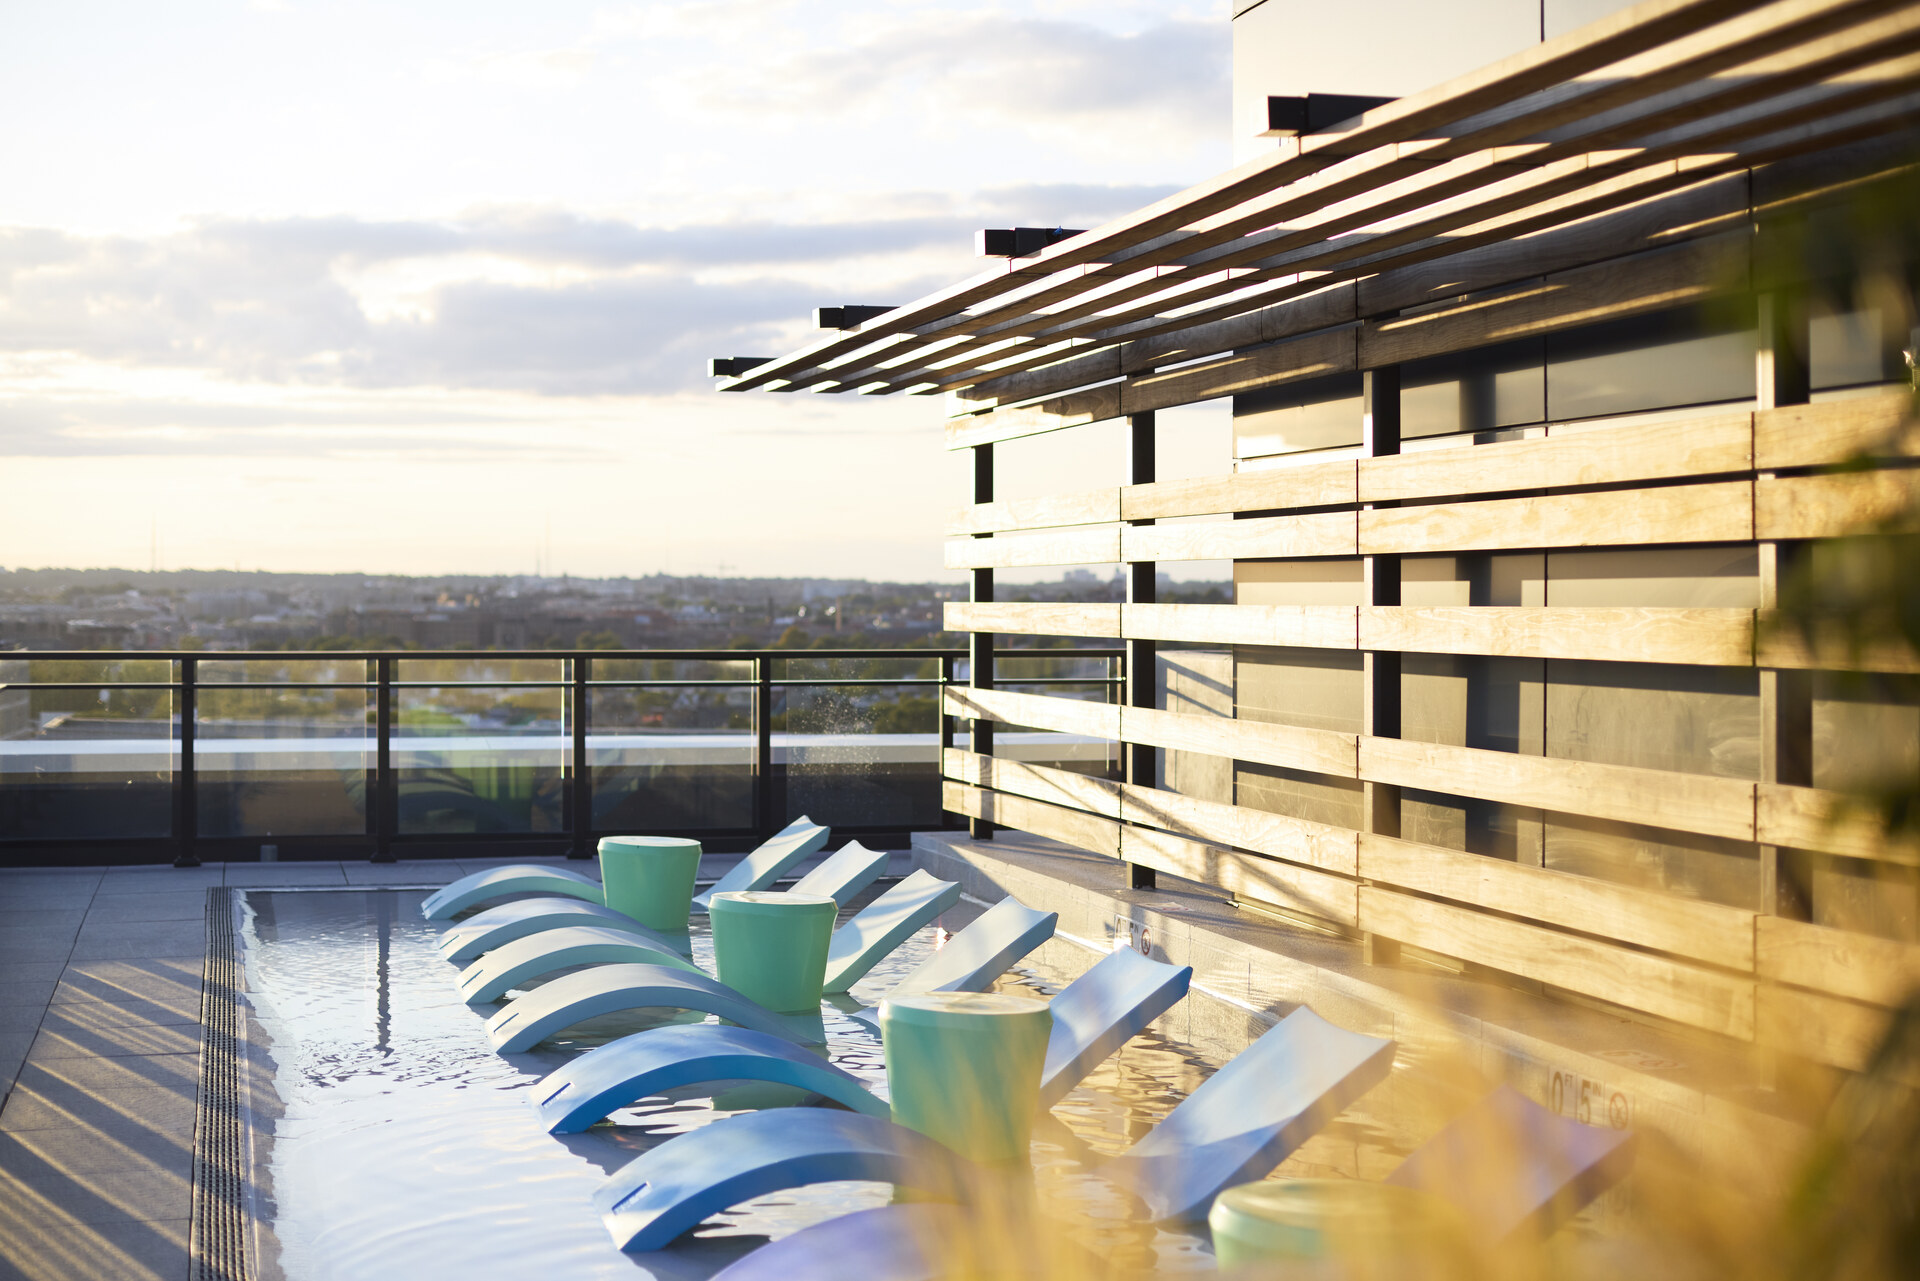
(772, 948)
(964, 1068)
(1358, 1224)
(650, 878)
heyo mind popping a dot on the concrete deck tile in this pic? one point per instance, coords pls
(114, 1114)
(36, 947)
(24, 898)
(86, 1149)
(134, 1194)
(13, 1054)
(136, 940)
(127, 1072)
(43, 1246)
(271, 875)
(163, 905)
(172, 981)
(69, 1032)
(37, 918)
(163, 878)
(21, 1018)
(412, 872)
(34, 992)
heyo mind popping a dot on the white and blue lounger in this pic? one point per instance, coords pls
(773, 860)
(502, 923)
(843, 873)
(856, 947)
(1098, 1013)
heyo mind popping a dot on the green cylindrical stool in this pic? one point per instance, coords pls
(1367, 1226)
(964, 1068)
(650, 878)
(772, 948)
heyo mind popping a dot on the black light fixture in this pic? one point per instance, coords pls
(1313, 112)
(1019, 242)
(847, 317)
(733, 366)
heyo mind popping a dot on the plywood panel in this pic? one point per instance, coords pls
(1074, 827)
(1686, 927)
(1311, 626)
(1065, 715)
(1032, 618)
(1825, 1029)
(1674, 990)
(1807, 818)
(1077, 547)
(1289, 746)
(1093, 507)
(1321, 534)
(1295, 839)
(1829, 506)
(1052, 415)
(1306, 485)
(1829, 648)
(1712, 637)
(1831, 432)
(1840, 962)
(1706, 445)
(1037, 782)
(1658, 798)
(1247, 876)
(1670, 514)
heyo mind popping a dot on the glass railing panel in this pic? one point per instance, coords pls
(85, 671)
(1060, 751)
(283, 671)
(672, 669)
(860, 755)
(670, 758)
(86, 763)
(470, 760)
(282, 762)
(1057, 664)
(856, 668)
(492, 669)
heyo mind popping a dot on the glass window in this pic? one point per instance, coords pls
(1668, 577)
(1476, 391)
(1647, 362)
(1311, 688)
(1693, 720)
(1323, 413)
(1300, 582)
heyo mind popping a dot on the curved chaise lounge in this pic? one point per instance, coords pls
(671, 1188)
(515, 878)
(856, 947)
(502, 923)
(573, 998)
(910, 1242)
(1098, 1013)
(525, 959)
(775, 857)
(843, 873)
(976, 956)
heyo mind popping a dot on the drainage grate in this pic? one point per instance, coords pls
(219, 1241)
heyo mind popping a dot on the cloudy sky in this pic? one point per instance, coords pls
(332, 285)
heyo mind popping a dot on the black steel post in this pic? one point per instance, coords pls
(1141, 763)
(980, 644)
(186, 793)
(1380, 433)
(765, 824)
(385, 797)
(948, 674)
(580, 789)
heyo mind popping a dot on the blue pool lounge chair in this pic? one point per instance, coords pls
(774, 859)
(669, 1189)
(515, 878)
(519, 962)
(843, 873)
(855, 948)
(1513, 1167)
(504, 922)
(573, 998)
(977, 955)
(1247, 1117)
(889, 1243)
(1098, 1013)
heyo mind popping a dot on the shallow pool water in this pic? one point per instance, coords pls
(392, 1141)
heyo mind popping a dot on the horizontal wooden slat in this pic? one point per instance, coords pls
(1288, 746)
(1668, 923)
(1063, 715)
(1311, 626)
(1092, 507)
(1669, 514)
(1032, 618)
(1702, 446)
(1247, 876)
(1075, 547)
(1830, 432)
(1823, 1028)
(1013, 424)
(1320, 534)
(1037, 782)
(1307, 485)
(1840, 962)
(1830, 648)
(1689, 994)
(1712, 637)
(1808, 818)
(1295, 839)
(1652, 281)
(1073, 827)
(1829, 506)
(1657, 798)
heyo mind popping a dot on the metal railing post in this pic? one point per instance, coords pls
(385, 797)
(186, 795)
(949, 674)
(582, 783)
(764, 821)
